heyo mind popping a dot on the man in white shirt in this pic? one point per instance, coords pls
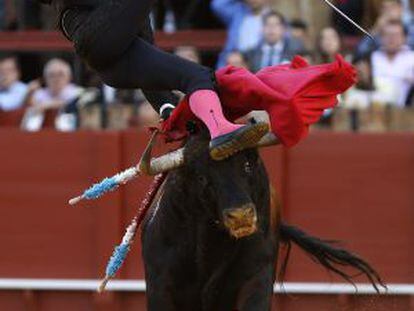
(12, 91)
(393, 64)
(59, 90)
(58, 93)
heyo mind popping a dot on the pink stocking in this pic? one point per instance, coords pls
(205, 104)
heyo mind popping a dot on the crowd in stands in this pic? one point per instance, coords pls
(257, 36)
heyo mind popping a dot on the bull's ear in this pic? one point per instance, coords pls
(202, 180)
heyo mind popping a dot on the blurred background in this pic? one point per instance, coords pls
(61, 129)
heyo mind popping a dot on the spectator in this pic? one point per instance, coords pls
(393, 64)
(364, 73)
(59, 90)
(300, 31)
(390, 10)
(188, 52)
(12, 91)
(277, 47)
(363, 94)
(57, 95)
(243, 20)
(236, 59)
(328, 45)
(147, 116)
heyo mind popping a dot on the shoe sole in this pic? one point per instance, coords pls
(245, 140)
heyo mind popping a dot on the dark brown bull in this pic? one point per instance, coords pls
(210, 242)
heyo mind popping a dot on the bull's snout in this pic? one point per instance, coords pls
(241, 221)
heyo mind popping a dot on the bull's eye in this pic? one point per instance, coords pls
(248, 168)
(202, 180)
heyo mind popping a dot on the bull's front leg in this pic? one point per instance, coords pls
(170, 274)
(254, 295)
(159, 289)
(257, 295)
(159, 300)
(170, 293)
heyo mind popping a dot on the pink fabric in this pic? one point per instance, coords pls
(205, 104)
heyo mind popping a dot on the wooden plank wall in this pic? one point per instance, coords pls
(351, 187)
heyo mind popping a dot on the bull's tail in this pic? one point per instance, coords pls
(329, 255)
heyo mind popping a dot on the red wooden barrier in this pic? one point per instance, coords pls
(12, 118)
(40, 41)
(355, 188)
(358, 189)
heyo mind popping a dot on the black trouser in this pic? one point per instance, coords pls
(116, 40)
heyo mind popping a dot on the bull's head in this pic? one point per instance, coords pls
(230, 189)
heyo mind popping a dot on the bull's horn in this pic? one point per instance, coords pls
(175, 159)
(161, 164)
(269, 139)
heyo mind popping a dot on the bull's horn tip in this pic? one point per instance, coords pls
(102, 286)
(75, 201)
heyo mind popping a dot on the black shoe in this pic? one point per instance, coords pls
(245, 137)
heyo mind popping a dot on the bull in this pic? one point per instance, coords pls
(211, 240)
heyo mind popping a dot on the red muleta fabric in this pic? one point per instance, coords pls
(294, 95)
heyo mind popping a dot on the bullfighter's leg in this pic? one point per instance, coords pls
(150, 68)
(100, 41)
(108, 40)
(162, 101)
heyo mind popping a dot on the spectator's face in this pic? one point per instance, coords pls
(391, 9)
(57, 78)
(273, 30)
(330, 43)
(393, 38)
(256, 5)
(9, 73)
(237, 60)
(188, 53)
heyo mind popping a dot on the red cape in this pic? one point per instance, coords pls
(294, 95)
